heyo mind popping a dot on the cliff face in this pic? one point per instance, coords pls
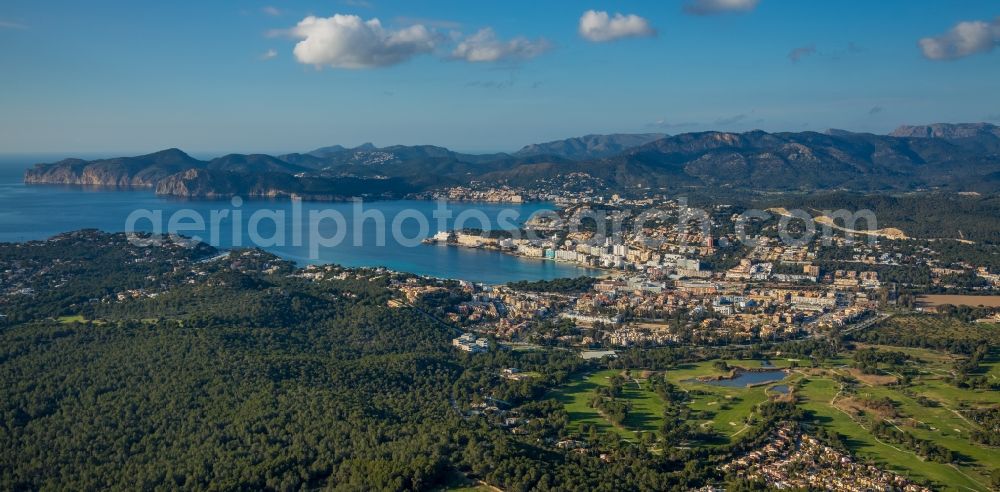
(88, 175)
(174, 173)
(206, 183)
(187, 183)
(142, 171)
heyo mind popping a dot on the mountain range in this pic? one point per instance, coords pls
(959, 157)
(589, 146)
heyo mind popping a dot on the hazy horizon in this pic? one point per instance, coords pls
(206, 154)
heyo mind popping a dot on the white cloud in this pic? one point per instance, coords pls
(269, 55)
(964, 39)
(427, 21)
(272, 11)
(484, 46)
(347, 41)
(598, 26)
(711, 7)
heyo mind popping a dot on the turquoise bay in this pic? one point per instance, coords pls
(38, 212)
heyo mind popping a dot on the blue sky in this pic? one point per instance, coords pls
(226, 76)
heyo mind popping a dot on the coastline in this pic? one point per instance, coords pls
(609, 272)
(277, 196)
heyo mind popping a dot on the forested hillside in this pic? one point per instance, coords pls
(172, 367)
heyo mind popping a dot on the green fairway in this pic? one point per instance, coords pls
(945, 426)
(935, 356)
(706, 368)
(942, 391)
(725, 410)
(816, 395)
(722, 408)
(647, 407)
(471, 488)
(992, 369)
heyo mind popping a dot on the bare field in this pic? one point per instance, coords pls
(958, 300)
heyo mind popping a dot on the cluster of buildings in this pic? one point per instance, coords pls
(667, 286)
(489, 194)
(596, 231)
(186, 262)
(636, 235)
(413, 290)
(790, 459)
(569, 189)
(634, 309)
(609, 253)
(992, 278)
(468, 342)
(134, 294)
(940, 275)
(717, 311)
(31, 275)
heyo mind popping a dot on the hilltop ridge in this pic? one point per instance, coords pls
(959, 157)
